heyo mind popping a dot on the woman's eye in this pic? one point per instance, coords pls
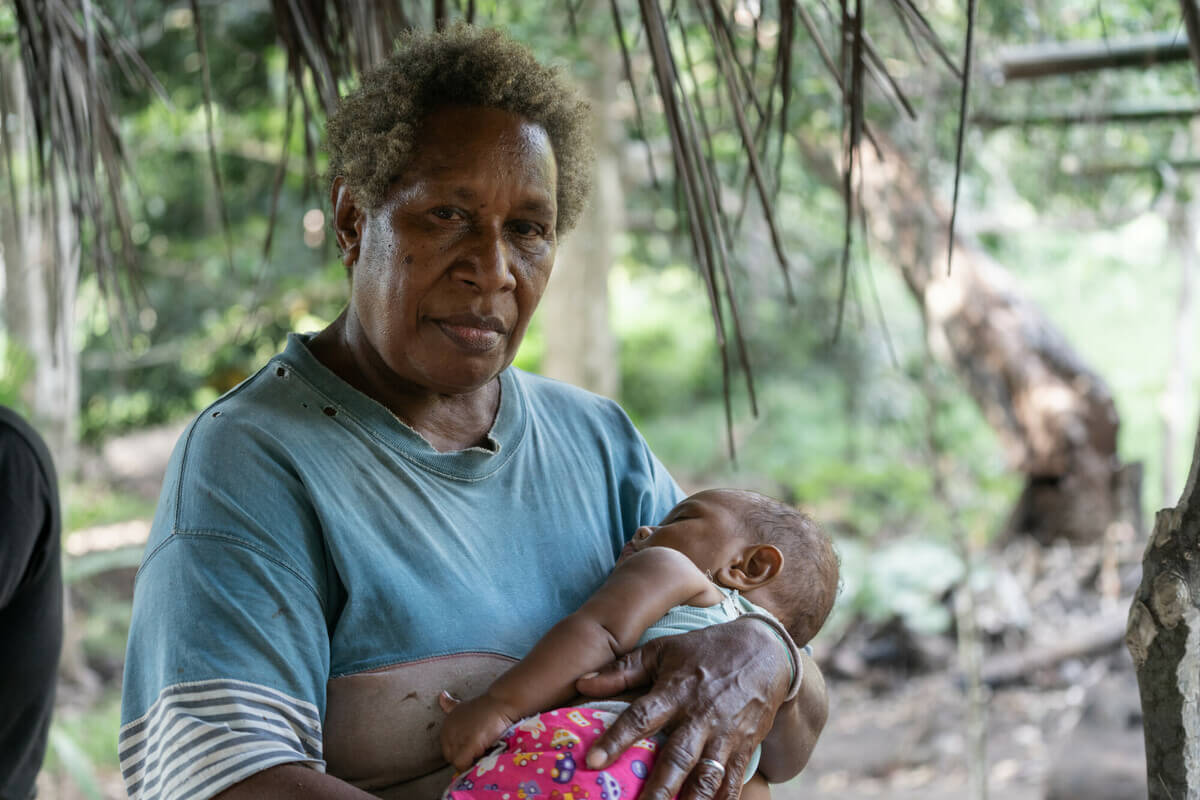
(446, 212)
(527, 229)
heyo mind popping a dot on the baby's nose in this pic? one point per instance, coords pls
(643, 533)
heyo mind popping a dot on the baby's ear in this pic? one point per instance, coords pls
(757, 566)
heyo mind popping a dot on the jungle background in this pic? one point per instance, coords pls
(973, 651)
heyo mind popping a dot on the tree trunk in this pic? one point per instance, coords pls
(1054, 416)
(580, 348)
(40, 281)
(1163, 636)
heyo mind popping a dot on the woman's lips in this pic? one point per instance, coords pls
(471, 333)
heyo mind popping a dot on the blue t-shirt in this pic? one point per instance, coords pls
(306, 535)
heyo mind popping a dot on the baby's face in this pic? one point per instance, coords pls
(704, 527)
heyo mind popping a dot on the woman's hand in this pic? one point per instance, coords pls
(715, 693)
(470, 728)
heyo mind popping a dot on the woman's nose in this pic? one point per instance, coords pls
(488, 265)
(643, 533)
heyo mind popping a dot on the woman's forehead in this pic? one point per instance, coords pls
(447, 132)
(467, 151)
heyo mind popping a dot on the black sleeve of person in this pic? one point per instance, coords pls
(31, 597)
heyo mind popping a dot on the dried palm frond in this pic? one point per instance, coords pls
(962, 126)
(68, 49)
(213, 159)
(753, 113)
(327, 42)
(697, 183)
(627, 66)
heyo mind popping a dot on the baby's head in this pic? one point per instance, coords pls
(776, 556)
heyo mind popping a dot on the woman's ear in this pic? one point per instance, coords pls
(756, 567)
(347, 220)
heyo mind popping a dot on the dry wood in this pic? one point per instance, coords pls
(1053, 414)
(1103, 635)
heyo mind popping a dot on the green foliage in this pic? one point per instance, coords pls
(83, 743)
(67, 756)
(840, 431)
(79, 568)
(667, 355)
(907, 578)
(15, 368)
(87, 505)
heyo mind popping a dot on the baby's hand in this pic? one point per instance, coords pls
(470, 728)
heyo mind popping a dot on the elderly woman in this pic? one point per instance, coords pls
(388, 509)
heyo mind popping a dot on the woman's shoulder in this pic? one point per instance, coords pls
(560, 400)
(238, 458)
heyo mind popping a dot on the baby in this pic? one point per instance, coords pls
(719, 554)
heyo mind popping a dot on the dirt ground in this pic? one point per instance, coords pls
(913, 742)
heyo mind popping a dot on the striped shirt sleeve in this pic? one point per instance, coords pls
(200, 738)
(225, 669)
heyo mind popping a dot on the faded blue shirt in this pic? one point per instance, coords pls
(305, 535)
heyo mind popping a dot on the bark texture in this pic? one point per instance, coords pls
(1163, 636)
(1054, 416)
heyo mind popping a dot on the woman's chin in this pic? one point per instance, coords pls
(462, 380)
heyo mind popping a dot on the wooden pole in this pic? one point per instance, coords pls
(1039, 61)
(1088, 116)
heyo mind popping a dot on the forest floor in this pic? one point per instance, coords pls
(1055, 714)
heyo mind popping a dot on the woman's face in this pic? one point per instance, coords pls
(451, 267)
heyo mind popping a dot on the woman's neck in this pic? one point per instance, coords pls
(449, 422)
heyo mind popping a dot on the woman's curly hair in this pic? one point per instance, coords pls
(371, 136)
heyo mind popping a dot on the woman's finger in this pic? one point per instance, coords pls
(675, 761)
(717, 774)
(646, 716)
(734, 778)
(627, 672)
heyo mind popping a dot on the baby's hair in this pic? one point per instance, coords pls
(805, 594)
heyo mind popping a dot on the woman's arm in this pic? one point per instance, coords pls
(639, 591)
(292, 782)
(797, 725)
(717, 691)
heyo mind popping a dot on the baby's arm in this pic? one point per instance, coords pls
(640, 589)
